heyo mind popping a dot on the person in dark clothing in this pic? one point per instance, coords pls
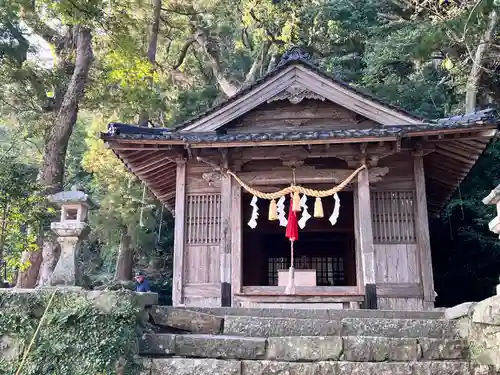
(142, 285)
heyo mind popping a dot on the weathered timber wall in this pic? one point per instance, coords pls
(397, 253)
(212, 247)
(202, 238)
(308, 115)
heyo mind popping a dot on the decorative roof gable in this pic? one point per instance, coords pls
(296, 78)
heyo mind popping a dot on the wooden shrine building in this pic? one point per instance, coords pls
(300, 125)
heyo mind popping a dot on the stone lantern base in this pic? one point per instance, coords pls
(69, 236)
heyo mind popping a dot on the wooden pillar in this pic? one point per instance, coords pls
(422, 230)
(226, 229)
(236, 240)
(365, 231)
(179, 231)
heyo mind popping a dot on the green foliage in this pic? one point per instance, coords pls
(21, 207)
(78, 336)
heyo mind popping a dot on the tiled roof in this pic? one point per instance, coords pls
(124, 131)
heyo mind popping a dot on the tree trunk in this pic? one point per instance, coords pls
(56, 143)
(210, 50)
(125, 260)
(476, 71)
(27, 278)
(153, 44)
(50, 255)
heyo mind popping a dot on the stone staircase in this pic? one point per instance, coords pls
(237, 341)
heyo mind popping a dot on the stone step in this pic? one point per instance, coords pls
(307, 348)
(305, 313)
(274, 327)
(188, 320)
(190, 366)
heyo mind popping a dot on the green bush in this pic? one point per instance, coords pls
(78, 336)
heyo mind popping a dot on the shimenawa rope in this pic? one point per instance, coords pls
(296, 188)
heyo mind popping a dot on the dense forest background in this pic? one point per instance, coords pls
(69, 67)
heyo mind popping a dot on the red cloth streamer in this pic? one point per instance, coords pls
(292, 228)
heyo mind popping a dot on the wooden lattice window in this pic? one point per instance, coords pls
(329, 270)
(203, 219)
(393, 216)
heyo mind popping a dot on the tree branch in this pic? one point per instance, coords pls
(225, 84)
(183, 53)
(472, 86)
(258, 62)
(183, 11)
(271, 36)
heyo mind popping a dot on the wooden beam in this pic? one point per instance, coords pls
(307, 176)
(180, 203)
(225, 243)
(154, 163)
(166, 196)
(422, 229)
(301, 290)
(161, 174)
(132, 147)
(141, 156)
(446, 162)
(467, 161)
(399, 290)
(365, 234)
(455, 150)
(236, 240)
(261, 143)
(445, 183)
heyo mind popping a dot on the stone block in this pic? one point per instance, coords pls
(220, 347)
(191, 366)
(187, 320)
(482, 370)
(146, 299)
(277, 327)
(489, 356)
(287, 368)
(459, 311)
(366, 368)
(442, 368)
(362, 368)
(10, 348)
(146, 366)
(379, 349)
(157, 344)
(327, 314)
(111, 301)
(487, 311)
(312, 348)
(412, 328)
(435, 349)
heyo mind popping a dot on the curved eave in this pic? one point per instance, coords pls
(456, 151)
(155, 169)
(448, 166)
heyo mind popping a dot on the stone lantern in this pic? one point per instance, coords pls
(494, 198)
(71, 229)
(494, 225)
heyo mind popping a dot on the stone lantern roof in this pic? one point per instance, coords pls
(73, 196)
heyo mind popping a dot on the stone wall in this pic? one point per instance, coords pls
(481, 320)
(76, 331)
(480, 324)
